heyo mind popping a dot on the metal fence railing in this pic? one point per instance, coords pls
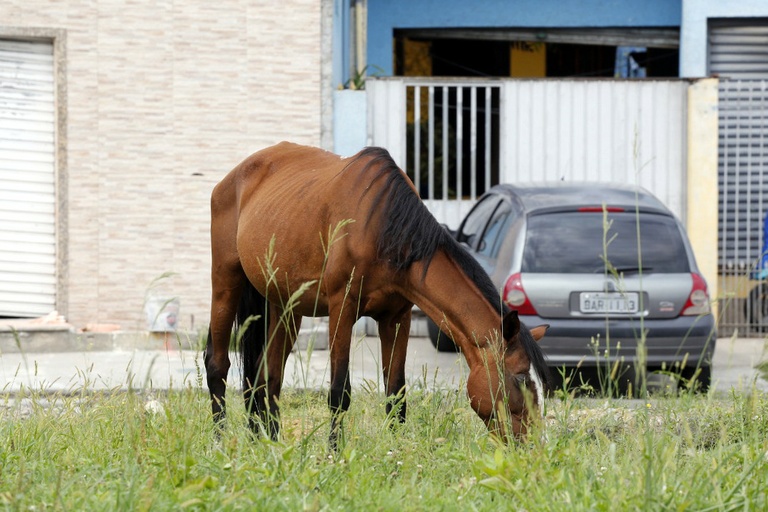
(743, 302)
(452, 143)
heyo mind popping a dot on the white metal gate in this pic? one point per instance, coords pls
(598, 130)
(456, 138)
(27, 179)
(445, 134)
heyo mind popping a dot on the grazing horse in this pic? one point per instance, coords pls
(298, 231)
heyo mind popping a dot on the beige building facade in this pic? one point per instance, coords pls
(154, 103)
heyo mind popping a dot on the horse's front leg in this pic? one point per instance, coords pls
(340, 321)
(394, 332)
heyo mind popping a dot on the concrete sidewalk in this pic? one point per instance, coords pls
(734, 367)
(173, 368)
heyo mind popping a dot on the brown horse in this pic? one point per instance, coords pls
(298, 231)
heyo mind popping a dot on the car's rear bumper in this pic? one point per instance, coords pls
(598, 341)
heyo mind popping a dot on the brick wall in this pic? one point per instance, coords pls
(162, 99)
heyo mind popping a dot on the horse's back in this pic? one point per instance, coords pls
(284, 168)
(291, 198)
(280, 179)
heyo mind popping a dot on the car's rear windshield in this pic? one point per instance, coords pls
(572, 243)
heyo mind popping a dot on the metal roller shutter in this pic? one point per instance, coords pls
(739, 52)
(27, 179)
(743, 170)
(739, 55)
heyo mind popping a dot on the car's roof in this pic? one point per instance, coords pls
(565, 195)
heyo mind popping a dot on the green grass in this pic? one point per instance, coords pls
(158, 451)
(762, 367)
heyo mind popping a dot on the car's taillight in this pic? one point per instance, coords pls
(515, 297)
(698, 299)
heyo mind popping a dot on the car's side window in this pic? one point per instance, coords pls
(490, 242)
(474, 225)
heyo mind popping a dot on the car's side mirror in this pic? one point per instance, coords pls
(452, 232)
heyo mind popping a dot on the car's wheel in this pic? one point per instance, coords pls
(756, 308)
(701, 382)
(441, 341)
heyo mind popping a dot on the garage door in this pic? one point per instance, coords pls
(738, 53)
(27, 179)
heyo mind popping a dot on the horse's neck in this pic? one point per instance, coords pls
(447, 295)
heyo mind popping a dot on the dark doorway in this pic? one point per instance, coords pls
(459, 57)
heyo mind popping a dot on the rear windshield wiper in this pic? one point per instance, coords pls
(625, 270)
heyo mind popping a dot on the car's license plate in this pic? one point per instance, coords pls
(611, 302)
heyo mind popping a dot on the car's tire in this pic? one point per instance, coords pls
(441, 341)
(756, 308)
(703, 379)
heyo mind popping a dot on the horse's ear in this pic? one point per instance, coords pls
(510, 325)
(539, 331)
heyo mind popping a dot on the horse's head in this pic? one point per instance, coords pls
(507, 391)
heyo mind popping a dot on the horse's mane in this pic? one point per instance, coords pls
(409, 233)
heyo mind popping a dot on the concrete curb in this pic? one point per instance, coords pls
(42, 338)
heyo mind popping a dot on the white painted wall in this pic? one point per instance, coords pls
(349, 121)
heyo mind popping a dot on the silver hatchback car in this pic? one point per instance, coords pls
(604, 265)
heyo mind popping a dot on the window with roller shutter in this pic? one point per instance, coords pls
(27, 179)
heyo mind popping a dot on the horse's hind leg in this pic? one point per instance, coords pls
(394, 332)
(263, 401)
(227, 279)
(341, 319)
(223, 307)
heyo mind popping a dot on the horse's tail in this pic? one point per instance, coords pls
(251, 313)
